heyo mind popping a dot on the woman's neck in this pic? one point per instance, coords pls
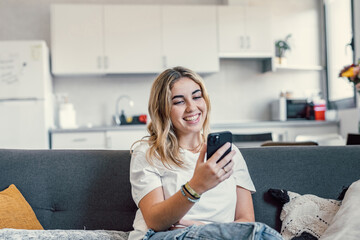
(191, 142)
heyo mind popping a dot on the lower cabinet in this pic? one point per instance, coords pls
(78, 140)
(111, 140)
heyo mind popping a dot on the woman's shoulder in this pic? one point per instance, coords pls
(139, 157)
(140, 147)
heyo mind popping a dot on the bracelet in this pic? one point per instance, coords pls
(192, 196)
(191, 191)
(188, 198)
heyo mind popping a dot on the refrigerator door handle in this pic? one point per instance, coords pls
(21, 99)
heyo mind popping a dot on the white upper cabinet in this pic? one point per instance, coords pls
(258, 30)
(132, 39)
(244, 32)
(88, 39)
(190, 37)
(77, 39)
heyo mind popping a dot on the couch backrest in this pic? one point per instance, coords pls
(77, 189)
(72, 189)
(319, 170)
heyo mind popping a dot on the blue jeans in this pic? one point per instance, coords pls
(219, 231)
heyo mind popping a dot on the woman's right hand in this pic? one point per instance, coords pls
(209, 174)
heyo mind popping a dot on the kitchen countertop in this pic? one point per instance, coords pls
(247, 124)
(290, 123)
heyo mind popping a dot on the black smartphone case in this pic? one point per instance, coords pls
(217, 140)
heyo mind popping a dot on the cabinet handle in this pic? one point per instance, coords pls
(164, 61)
(241, 41)
(248, 42)
(108, 143)
(99, 62)
(79, 140)
(106, 62)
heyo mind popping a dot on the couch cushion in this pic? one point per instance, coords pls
(15, 212)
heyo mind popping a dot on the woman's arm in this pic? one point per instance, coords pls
(161, 214)
(244, 211)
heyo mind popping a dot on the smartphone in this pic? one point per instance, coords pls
(217, 140)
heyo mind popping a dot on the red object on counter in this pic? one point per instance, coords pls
(143, 118)
(320, 109)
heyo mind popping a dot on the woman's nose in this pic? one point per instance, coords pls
(190, 106)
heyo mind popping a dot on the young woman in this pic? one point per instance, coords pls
(179, 194)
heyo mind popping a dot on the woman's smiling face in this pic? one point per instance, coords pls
(188, 109)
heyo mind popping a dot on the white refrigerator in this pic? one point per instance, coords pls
(26, 99)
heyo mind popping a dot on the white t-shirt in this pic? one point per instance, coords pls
(144, 178)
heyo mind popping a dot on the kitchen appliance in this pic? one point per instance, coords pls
(67, 116)
(26, 100)
(284, 109)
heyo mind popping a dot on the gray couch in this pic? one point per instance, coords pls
(90, 189)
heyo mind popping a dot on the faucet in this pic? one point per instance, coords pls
(117, 114)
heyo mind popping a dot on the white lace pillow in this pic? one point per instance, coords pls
(304, 216)
(346, 222)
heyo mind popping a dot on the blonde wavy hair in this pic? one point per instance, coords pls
(163, 142)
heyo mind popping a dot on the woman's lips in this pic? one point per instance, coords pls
(193, 118)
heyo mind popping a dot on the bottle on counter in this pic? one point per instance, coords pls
(319, 109)
(123, 118)
(278, 108)
(282, 103)
(67, 115)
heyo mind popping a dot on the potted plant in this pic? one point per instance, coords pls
(281, 47)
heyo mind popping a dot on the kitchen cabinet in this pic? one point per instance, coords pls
(190, 37)
(103, 138)
(98, 39)
(133, 38)
(78, 140)
(244, 32)
(77, 39)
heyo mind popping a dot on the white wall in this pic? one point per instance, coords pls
(239, 92)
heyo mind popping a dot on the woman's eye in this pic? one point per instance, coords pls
(179, 102)
(198, 97)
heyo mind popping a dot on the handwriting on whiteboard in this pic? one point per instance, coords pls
(11, 68)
